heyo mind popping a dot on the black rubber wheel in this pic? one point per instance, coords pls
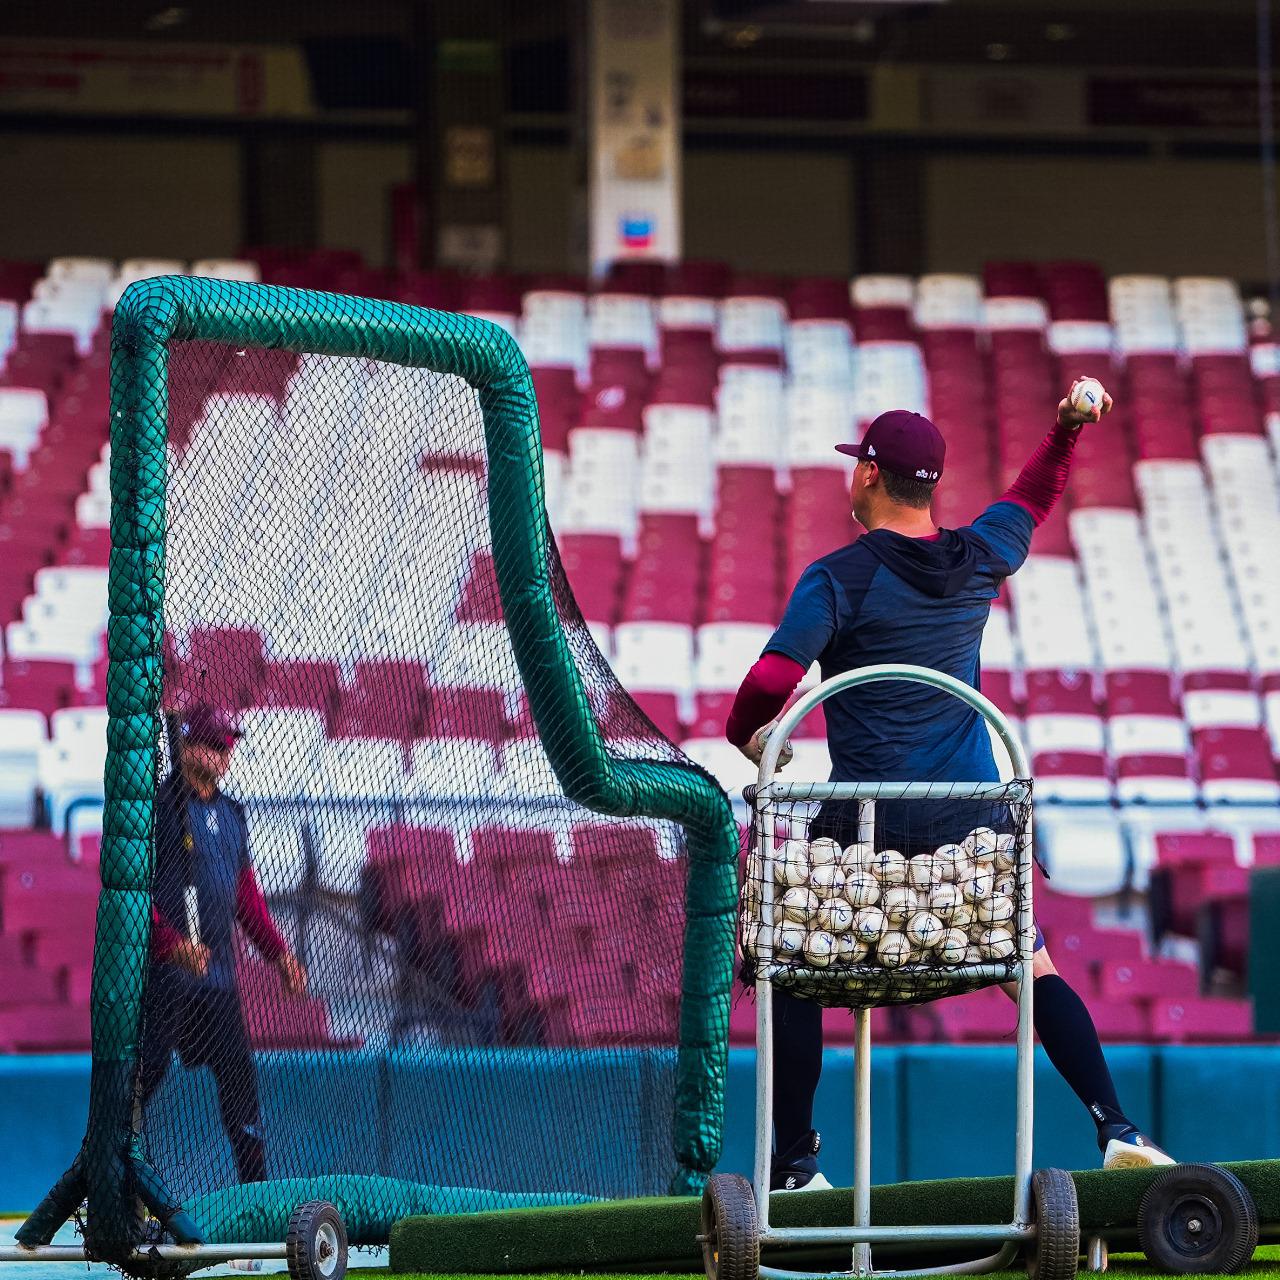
(730, 1229)
(316, 1242)
(1054, 1254)
(1198, 1218)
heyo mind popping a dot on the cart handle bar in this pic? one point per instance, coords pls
(892, 671)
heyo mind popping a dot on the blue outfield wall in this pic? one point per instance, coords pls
(938, 1110)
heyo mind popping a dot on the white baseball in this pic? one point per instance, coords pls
(923, 929)
(786, 752)
(788, 941)
(996, 943)
(923, 871)
(963, 916)
(827, 879)
(869, 923)
(819, 948)
(949, 860)
(791, 863)
(823, 852)
(850, 949)
(944, 899)
(973, 954)
(898, 903)
(835, 915)
(995, 910)
(981, 884)
(799, 904)
(980, 844)
(862, 889)
(857, 857)
(1086, 395)
(889, 867)
(1005, 886)
(893, 950)
(952, 946)
(1006, 853)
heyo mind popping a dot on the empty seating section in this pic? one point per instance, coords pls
(688, 416)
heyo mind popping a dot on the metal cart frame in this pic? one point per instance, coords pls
(862, 1234)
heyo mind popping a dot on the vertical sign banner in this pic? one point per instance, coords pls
(634, 184)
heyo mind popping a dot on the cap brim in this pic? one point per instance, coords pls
(852, 450)
(221, 741)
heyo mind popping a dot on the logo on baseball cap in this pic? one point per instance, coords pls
(906, 443)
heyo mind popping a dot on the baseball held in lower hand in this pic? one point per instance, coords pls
(787, 751)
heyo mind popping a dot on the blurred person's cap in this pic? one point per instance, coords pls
(206, 726)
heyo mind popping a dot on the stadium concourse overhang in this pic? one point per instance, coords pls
(111, 1171)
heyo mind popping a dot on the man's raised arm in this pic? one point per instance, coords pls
(1043, 480)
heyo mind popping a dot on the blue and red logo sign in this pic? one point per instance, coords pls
(636, 230)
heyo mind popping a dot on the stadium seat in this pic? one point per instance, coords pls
(1068, 757)
(1235, 766)
(1183, 1019)
(23, 738)
(1084, 856)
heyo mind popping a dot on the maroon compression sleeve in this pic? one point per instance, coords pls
(255, 919)
(763, 694)
(164, 937)
(1044, 478)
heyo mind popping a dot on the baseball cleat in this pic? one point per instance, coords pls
(796, 1169)
(1129, 1149)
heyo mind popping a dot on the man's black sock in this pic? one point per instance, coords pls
(1071, 1040)
(797, 1065)
(250, 1157)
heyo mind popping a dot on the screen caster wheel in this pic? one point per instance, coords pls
(1198, 1218)
(316, 1242)
(730, 1235)
(1054, 1254)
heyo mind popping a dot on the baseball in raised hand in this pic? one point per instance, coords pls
(1087, 401)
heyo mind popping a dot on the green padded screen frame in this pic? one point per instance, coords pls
(149, 316)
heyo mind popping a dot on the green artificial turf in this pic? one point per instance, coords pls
(658, 1235)
(1265, 1266)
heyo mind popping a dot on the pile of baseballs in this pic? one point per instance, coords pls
(838, 906)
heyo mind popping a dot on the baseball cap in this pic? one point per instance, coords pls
(206, 726)
(906, 443)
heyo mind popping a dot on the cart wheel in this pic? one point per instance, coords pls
(316, 1242)
(730, 1229)
(1054, 1254)
(1198, 1218)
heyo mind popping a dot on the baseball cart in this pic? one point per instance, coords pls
(861, 895)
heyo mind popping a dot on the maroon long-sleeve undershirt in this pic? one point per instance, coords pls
(773, 679)
(164, 937)
(762, 695)
(255, 919)
(251, 914)
(1043, 480)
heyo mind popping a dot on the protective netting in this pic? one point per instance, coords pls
(863, 902)
(360, 913)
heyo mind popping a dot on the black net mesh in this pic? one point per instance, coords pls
(385, 943)
(878, 902)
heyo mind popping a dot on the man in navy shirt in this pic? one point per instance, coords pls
(909, 592)
(202, 887)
